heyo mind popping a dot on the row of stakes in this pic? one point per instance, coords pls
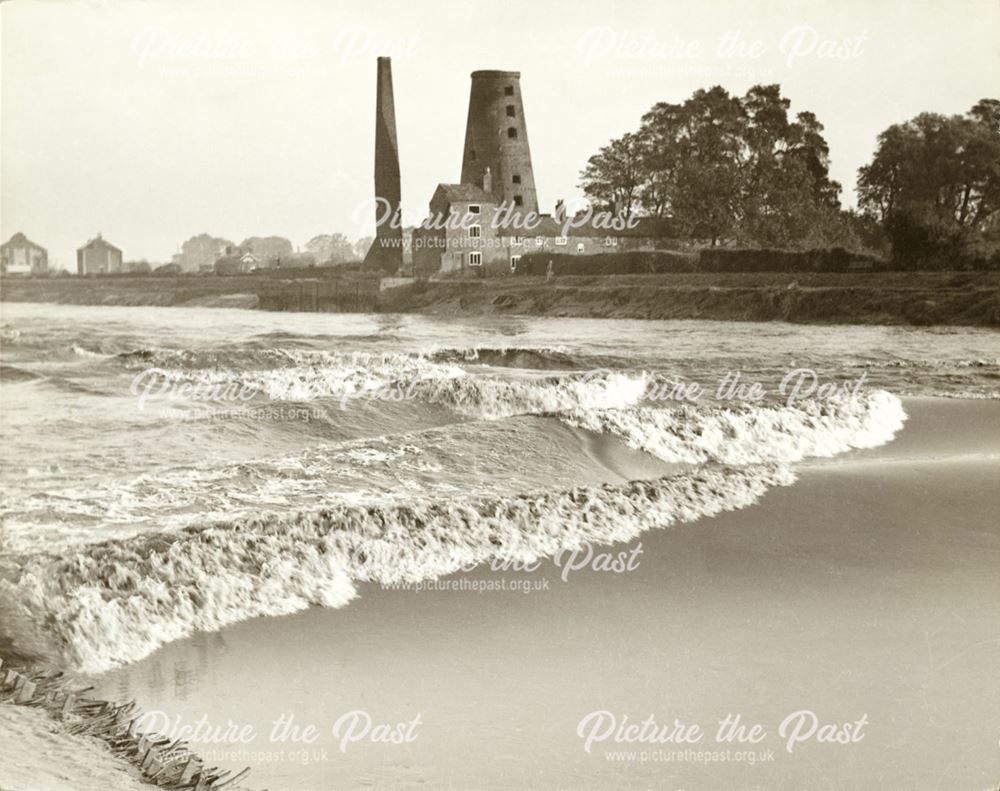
(166, 763)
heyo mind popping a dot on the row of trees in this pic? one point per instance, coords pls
(723, 167)
(203, 250)
(335, 248)
(743, 169)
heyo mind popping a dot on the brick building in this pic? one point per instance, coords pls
(20, 256)
(469, 232)
(98, 257)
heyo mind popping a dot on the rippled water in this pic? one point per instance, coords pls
(170, 469)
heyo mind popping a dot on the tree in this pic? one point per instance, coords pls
(934, 182)
(201, 251)
(269, 249)
(724, 167)
(611, 178)
(330, 248)
(660, 161)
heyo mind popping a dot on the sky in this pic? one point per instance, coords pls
(153, 120)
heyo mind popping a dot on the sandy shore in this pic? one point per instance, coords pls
(865, 592)
(37, 754)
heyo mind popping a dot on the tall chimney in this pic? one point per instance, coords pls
(386, 252)
(496, 140)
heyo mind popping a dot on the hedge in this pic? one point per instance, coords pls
(635, 262)
(638, 262)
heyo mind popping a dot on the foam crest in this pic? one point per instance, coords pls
(493, 398)
(752, 435)
(400, 377)
(118, 601)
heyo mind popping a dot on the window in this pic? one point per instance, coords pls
(512, 132)
(508, 90)
(472, 154)
(579, 247)
(516, 240)
(475, 259)
(561, 241)
(513, 262)
(475, 231)
(518, 200)
(473, 208)
(539, 241)
(510, 111)
(610, 241)
(515, 179)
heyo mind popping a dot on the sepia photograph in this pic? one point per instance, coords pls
(542, 397)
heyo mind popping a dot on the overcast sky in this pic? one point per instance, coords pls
(153, 120)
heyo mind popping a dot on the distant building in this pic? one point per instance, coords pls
(269, 249)
(236, 261)
(21, 256)
(98, 257)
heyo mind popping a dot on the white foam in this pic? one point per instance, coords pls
(752, 435)
(116, 602)
(492, 397)
(396, 377)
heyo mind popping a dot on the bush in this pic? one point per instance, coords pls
(834, 259)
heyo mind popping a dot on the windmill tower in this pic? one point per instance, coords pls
(496, 139)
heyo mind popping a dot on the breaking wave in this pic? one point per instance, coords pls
(402, 377)
(492, 398)
(100, 605)
(752, 435)
(117, 601)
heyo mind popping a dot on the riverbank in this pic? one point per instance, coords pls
(891, 298)
(884, 298)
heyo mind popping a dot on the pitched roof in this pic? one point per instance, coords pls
(463, 193)
(19, 239)
(99, 241)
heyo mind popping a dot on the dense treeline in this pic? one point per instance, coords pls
(742, 171)
(934, 186)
